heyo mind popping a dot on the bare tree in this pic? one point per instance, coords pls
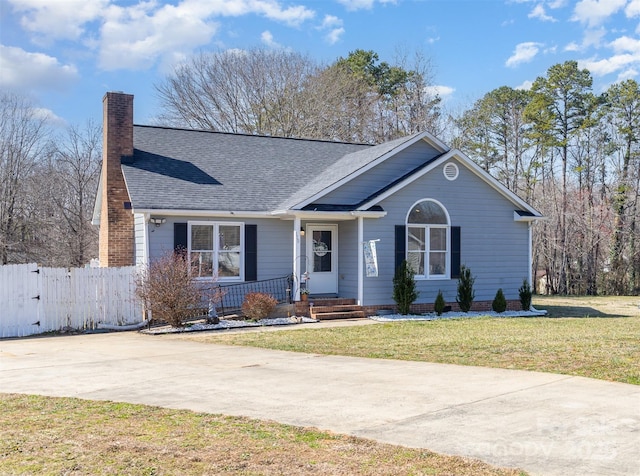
(23, 133)
(72, 172)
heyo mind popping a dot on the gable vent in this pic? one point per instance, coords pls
(450, 171)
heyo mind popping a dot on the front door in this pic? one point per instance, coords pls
(322, 250)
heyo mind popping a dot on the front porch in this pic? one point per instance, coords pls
(324, 308)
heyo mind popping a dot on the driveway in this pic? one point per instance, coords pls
(544, 423)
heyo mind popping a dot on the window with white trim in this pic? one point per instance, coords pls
(428, 238)
(216, 250)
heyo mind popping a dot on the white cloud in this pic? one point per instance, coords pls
(334, 25)
(442, 92)
(29, 71)
(627, 74)
(633, 9)
(50, 20)
(526, 85)
(626, 44)
(136, 37)
(540, 13)
(608, 65)
(334, 35)
(267, 38)
(353, 5)
(594, 12)
(573, 46)
(524, 53)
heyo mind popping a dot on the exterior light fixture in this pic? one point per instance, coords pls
(301, 231)
(157, 221)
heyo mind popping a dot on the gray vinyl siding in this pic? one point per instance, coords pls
(275, 242)
(139, 245)
(381, 175)
(348, 259)
(493, 246)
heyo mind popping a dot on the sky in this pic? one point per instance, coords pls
(65, 54)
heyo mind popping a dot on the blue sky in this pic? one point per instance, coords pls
(65, 54)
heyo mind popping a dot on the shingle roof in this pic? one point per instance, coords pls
(200, 170)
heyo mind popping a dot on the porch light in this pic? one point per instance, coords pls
(301, 231)
(157, 221)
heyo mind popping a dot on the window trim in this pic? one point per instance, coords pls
(427, 227)
(216, 251)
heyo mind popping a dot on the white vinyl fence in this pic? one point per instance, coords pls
(35, 300)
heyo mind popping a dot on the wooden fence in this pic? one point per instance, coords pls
(35, 300)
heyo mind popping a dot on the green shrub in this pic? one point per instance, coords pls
(499, 303)
(404, 288)
(466, 294)
(525, 295)
(439, 305)
(258, 305)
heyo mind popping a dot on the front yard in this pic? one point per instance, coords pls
(597, 337)
(40, 435)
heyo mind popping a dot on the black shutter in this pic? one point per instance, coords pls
(179, 237)
(400, 245)
(251, 252)
(455, 252)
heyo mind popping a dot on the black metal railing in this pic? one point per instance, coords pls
(233, 294)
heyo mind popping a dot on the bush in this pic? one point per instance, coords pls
(525, 295)
(466, 294)
(168, 290)
(439, 305)
(499, 303)
(258, 305)
(404, 288)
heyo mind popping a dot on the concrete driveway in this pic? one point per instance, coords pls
(544, 423)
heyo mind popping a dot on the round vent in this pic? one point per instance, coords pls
(450, 171)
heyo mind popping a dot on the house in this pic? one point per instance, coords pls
(249, 208)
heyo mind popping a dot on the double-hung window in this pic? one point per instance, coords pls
(215, 250)
(428, 240)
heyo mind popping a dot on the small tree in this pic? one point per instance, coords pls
(258, 305)
(404, 288)
(525, 295)
(440, 303)
(465, 289)
(499, 303)
(168, 289)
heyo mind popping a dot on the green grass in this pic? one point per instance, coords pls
(53, 436)
(592, 337)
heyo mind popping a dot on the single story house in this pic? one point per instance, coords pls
(337, 217)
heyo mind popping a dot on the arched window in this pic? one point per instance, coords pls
(428, 238)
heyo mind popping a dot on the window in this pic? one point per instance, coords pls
(428, 240)
(215, 250)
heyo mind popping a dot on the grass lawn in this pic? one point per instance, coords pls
(597, 337)
(40, 435)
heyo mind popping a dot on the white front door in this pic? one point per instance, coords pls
(322, 252)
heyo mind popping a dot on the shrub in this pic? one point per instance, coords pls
(499, 303)
(404, 288)
(439, 305)
(168, 290)
(465, 289)
(258, 305)
(525, 295)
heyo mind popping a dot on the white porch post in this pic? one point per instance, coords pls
(360, 261)
(531, 276)
(296, 258)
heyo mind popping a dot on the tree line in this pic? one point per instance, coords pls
(572, 153)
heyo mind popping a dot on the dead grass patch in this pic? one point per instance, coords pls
(41, 435)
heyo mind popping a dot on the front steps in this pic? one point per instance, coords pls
(327, 308)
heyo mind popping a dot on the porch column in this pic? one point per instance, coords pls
(360, 261)
(296, 258)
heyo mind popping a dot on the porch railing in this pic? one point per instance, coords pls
(233, 294)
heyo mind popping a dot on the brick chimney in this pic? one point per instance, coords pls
(116, 219)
